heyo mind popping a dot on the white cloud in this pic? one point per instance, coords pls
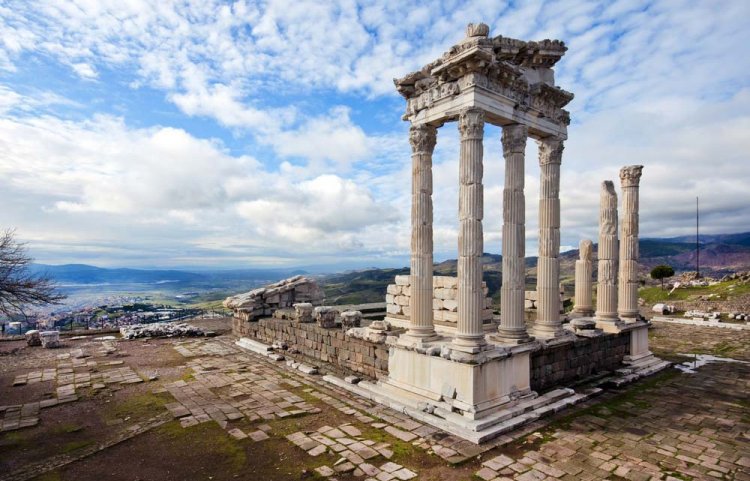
(656, 83)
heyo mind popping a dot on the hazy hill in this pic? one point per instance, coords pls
(86, 274)
(719, 254)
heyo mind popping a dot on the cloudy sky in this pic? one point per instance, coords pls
(268, 133)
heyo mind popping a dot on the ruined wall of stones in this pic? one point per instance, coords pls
(551, 367)
(444, 299)
(357, 356)
(559, 365)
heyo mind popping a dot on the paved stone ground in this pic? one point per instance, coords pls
(72, 372)
(672, 426)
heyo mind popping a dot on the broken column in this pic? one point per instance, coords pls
(469, 333)
(627, 307)
(513, 325)
(548, 322)
(584, 269)
(422, 139)
(606, 288)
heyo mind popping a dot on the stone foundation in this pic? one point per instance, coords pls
(331, 345)
(551, 366)
(559, 365)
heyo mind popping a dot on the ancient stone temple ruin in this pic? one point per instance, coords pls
(456, 366)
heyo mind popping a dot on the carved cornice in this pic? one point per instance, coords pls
(630, 176)
(514, 139)
(422, 138)
(471, 123)
(585, 250)
(550, 151)
(501, 65)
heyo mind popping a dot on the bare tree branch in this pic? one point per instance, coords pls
(19, 288)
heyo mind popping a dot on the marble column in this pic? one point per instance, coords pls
(548, 322)
(513, 325)
(469, 333)
(422, 139)
(606, 288)
(584, 269)
(627, 296)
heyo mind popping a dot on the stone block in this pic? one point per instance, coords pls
(450, 305)
(393, 289)
(403, 280)
(33, 338)
(351, 319)
(325, 316)
(402, 300)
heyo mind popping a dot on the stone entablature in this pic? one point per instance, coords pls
(444, 302)
(512, 74)
(280, 295)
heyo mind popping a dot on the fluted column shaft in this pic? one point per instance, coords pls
(513, 326)
(627, 307)
(584, 270)
(422, 139)
(470, 237)
(606, 288)
(548, 322)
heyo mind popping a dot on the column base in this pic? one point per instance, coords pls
(609, 325)
(511, 336)
(548, 330)
(410, 340)
(469, 345)
(576, 313)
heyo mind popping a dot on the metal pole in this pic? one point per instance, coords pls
(697, 240)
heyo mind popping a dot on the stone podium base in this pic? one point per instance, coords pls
(476, 398)
(474, 387)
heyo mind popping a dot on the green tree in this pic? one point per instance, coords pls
(661, 272)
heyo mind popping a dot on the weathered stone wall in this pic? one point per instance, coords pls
(328, 345)
(444, 300)
(564, 363)
(550, 367)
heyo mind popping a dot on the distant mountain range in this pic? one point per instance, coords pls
(86, 274)
(719, 254)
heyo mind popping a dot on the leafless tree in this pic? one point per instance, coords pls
(19, 287)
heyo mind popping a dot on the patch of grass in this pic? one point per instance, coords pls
(619, 405)
(724, 348)
(75, 446)
(13, 439)
(188, 376)
(402, 450)
(68, 428)
(721, 291)
(207, 437)
(677, 475)
(49, 476)
(139, 406)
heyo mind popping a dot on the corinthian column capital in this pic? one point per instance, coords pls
(630, 176)
(471, 123)
(514, 139)
(550, 151)
(422, 138)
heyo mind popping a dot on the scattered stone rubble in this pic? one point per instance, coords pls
(743, 277)
(663, 308)
(283, 294)
(33, 338)
(163, 329)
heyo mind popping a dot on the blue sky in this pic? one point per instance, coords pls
(248, 134)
